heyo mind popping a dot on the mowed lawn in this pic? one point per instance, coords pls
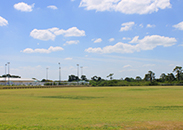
(92, 108)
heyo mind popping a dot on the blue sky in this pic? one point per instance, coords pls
(124, 37)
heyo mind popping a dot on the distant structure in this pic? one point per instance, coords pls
(19, 81)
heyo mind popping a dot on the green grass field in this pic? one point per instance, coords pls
(92, 108)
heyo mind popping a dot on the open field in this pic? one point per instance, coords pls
(158, 107)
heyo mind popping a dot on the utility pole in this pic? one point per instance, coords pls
(47, 74)
(78, 71)
(5, 73)
(81, 70)
(59, 73)
(8, 73)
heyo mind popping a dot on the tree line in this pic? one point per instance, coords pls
(149, 79)
(10, 76)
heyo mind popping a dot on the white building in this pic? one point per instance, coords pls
(19, 81)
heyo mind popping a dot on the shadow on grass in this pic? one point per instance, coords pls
(166, 107)
(159, 108)
(155, 109)
(72, 97)
(146, 89)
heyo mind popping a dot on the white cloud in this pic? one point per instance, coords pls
(52, 7)
(50, 34)
(127, 66)
(127, 26)
(126, 6)
(49, 50)
(180, 44)
(150, 26)
(68, 58)
(134, 40)
(71, 32)
(111, 39)
(141, 25)
(3, 22)
(24, 7)
(98, 40)
(71, 42)
(44, 35)
(126, 38)
(147, 43)
(179, 26)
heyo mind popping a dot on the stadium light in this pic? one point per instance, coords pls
(47, 74)
(5, 73)
(8, 73)
(81, 70)
(78, 71)
(59, 73)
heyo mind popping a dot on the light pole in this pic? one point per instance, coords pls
(78, 71)
(81, 70)
(5, 73)
(59, 73)
(47, 74)
(8, 73)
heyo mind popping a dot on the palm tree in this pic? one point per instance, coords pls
(110, 75)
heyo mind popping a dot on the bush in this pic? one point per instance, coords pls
(153, 83)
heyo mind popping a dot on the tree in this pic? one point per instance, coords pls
(45, 80)
(110, 75)
(150, 76)
(138, 78)
(129, 79)
(163, 77)
(170, 77)
(73, 78)
(12, 76)
(95, 78)
(83, 77)
(178, 70)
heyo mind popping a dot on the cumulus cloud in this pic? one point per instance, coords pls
(179, 26)
(111, 39)
(147, 43)
(71, 42)
(150, 26)
(24, 7)
(44, 35)
(71, 32)
(49, 50)
(52, 7)
(127, 26)
(134, 40)
(50, 34)
(3, 22)
(126, 6)
(97, 40)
